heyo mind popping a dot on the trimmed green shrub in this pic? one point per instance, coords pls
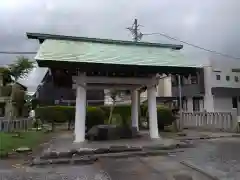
(57, 114)
(165, 116)
(63, 114)
(117, 120)
(123, 110)
(144, 110)
(94, 116)
(97, 115)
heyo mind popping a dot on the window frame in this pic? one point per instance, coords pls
(227, 78)
(218, 77)
(236, 79)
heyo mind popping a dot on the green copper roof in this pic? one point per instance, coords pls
(110, 53)
(42, 37)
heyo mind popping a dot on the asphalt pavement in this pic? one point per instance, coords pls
(218, 157)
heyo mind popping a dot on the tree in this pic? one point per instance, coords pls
(114, 94)
(17, 70)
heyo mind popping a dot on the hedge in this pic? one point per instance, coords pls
(99, 115)
(62, 114)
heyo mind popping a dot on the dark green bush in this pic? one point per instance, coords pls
(94, 116)
(165, 116)
(97, 115)
(123, 110)
(63, 114)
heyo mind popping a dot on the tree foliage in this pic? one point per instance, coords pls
(11, 74)
(21, 67)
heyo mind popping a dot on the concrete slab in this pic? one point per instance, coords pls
(64, 142)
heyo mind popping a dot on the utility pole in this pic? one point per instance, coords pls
(137, 35)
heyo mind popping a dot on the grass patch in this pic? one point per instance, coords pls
(30, 139)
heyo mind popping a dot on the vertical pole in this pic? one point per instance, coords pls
(208, 97)
(135, 30)
(180, 93)
(80, 113)
(152, 110)
(134, 109)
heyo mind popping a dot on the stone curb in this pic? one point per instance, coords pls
(170, 147)
(75, 152)
(236, 135)
(137, 154)
(111, 150)
(200, 170)
(208, 137)
(84, 160)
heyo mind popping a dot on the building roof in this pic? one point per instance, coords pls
(23, 86)
(56, 48)
(41, 37)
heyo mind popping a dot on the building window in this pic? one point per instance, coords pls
(194, 80)
(218, 77)
(236, 78)
(196, 104)
(227, 78)
(184, 105)
(234, 102)
(174, 81)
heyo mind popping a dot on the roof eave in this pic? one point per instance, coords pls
(41, 37)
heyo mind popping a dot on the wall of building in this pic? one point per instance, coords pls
(48, 93)
(225, 67)
(164, 87)
(222, 104)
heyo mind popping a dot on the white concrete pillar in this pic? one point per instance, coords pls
(189, 104)
(80, 113)
(152, 110)
(134, 108)
(208, 97)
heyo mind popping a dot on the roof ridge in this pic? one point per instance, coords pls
(41, 37)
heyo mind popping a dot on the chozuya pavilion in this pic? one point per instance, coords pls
(85, 63)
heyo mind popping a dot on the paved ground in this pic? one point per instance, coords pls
(65, 142)
(220, 157)
(152, 168)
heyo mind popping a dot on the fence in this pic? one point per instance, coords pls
(18, 124)
(214, 121)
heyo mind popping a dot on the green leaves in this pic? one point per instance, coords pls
(21, 67)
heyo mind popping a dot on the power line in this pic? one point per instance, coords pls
(16, 52)
(193, 45)
(137, 36)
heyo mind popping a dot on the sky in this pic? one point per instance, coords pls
(212, 24)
